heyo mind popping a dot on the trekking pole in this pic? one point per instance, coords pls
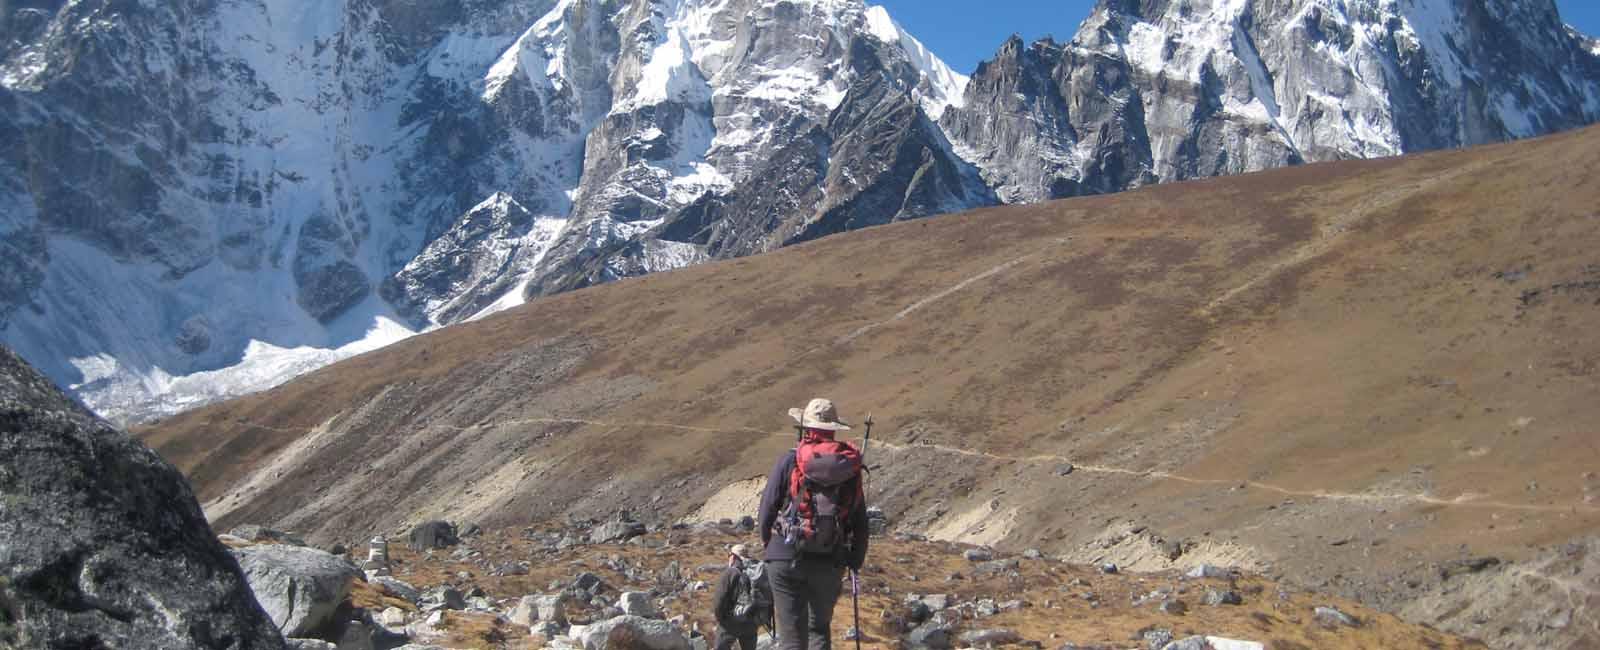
(855, 605)
(855, 580)
(867, 439)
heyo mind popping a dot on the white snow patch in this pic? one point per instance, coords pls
(264, 366)
(463, 56)
(667, 255)
(670, 76)
(1431, 22)
(1145, 48)
(946, 87)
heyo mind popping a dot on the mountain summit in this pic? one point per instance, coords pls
(1164, 90)
(212, 197)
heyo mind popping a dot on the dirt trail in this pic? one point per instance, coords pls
(1467, 500)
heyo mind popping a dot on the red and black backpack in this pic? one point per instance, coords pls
(824, 488)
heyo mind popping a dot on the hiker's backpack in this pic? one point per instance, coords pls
(823, 489)
(754, 601)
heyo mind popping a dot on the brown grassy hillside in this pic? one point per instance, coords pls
(1345, 373)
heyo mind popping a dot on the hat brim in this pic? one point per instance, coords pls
(799, 418)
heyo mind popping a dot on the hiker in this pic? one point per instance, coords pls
(813, 521)
(743, 602)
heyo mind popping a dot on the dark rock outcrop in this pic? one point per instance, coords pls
(433, 534)
(102, 544)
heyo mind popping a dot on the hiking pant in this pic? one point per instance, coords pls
(803, 594)
(726, 639)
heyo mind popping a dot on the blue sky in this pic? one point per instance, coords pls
(963, 32)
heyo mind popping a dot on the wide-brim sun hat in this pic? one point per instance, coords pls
(819, 413)
(740, 550)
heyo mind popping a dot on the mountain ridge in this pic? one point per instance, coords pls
(329, 184)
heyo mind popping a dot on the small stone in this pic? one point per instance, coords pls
(985, 608)
(1155, 638)
(978, 555)
(590, 582)
(993, 567)
(1108, 568)
(1032, 554)
(1215, 597)
(1470, 565)
(1173, 607)
(1207, 571)
(990, 638)
(393, 617)
(1333, 617)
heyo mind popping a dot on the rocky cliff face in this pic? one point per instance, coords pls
(1158, 91)
(101, 542)
(231, 185)
(211, 197)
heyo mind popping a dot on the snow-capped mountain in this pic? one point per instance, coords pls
(1163, 90)
(205, 198)
(209, 197)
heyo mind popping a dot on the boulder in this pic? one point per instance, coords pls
(985, 607)
(590, 583)
(299, 587)
(1156, 638)
(1212, 643)
(533, 609)
(444, 598)
(990, 638)
(393, 617)
(550, 630)
(616, 531)
(635, 603)
(432, 534)
(396, 587)
(932, 634)
(102, 543)
(308, 644)
(633, 632)
(978, 555)
(917, 611)
(1333, 617)
(1207, 571)
(1216, 597)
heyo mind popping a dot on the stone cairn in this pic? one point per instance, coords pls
(377, 563)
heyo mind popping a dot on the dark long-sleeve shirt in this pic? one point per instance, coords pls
(776, 497)
(726, 598)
